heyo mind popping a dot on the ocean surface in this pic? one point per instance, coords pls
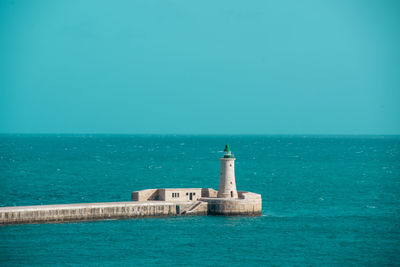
(327, 200)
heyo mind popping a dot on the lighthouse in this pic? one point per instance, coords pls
(227, 184)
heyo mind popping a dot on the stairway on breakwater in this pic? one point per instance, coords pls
(196, 208)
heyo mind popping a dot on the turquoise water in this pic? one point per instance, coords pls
(327, 200)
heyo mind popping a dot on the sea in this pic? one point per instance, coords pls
(327, 200)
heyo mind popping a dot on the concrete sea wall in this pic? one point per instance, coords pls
(85, 212)
(233, 207)
(248, 204)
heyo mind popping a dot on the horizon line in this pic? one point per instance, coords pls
(208, 134)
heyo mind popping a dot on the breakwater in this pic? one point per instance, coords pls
(151, 202)
(249, 204)
(87, 212)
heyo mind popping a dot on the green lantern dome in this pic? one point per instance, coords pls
(227, 152)
(227, 148)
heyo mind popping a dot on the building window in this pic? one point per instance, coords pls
(187, 193)
(174, 195)
(194, 194)
(230, 165)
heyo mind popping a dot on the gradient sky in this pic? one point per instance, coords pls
(205, 67)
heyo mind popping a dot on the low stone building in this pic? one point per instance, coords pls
(168, 194)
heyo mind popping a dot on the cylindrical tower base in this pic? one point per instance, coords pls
(227, 184)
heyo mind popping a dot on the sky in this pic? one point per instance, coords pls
(200, 67)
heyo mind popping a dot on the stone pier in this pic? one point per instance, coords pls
(85, 212)
(151, 203)
(145, 203)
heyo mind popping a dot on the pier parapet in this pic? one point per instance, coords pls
(85, 212)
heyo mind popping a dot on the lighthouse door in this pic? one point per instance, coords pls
(191, 196)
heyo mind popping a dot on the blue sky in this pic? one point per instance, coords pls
(201, 67)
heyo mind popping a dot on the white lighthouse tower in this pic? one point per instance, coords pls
(227, 184)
